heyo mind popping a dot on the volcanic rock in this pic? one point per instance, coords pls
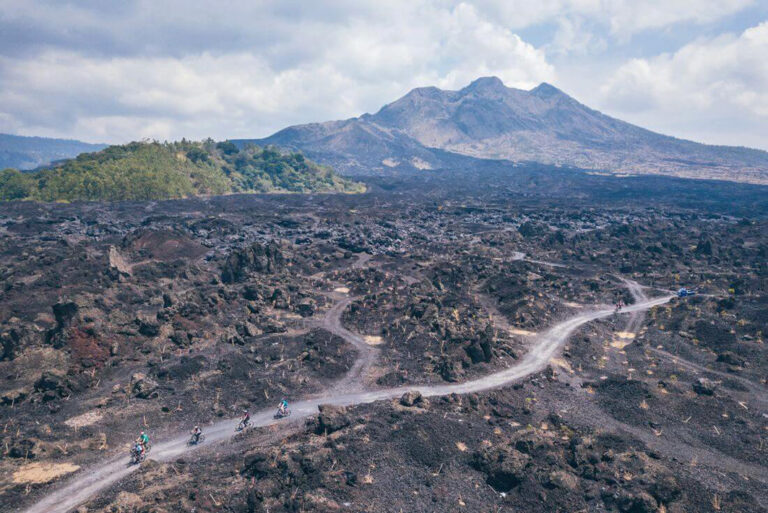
(412, 398)
(332, 418)
(143, 387)
(504, 467)
(259, 258)
(704, 386)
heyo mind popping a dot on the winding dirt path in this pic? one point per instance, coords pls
(348, 392)
(367, 354)
(639, 295)
(760, 392)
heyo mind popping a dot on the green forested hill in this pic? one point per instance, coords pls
(152, 170)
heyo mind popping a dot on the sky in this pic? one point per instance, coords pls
(118, 71)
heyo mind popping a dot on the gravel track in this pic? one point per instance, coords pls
(87, 483)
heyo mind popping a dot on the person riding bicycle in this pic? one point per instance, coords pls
(246, 418)
(138, 449)
(196, 432)
(282, 408)
(143, 440)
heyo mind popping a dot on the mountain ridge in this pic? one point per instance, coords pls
(25, 152)
(433, 128)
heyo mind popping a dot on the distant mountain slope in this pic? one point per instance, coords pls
(429, 127)
(140, 171)
(21, 152)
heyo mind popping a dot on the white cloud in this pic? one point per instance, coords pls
(574, 38)
(721, 78)
(624, 17)
(355, 67)
(114, 71)
(628, 17)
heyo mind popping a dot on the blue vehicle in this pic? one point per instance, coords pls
(684, 292)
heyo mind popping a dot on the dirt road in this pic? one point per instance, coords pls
(89, 482)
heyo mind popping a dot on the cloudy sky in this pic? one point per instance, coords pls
(116, 71)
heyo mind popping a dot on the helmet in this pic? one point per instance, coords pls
(142, 432)
(197, 427)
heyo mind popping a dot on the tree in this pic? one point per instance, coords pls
(227, 147)
(15, 185)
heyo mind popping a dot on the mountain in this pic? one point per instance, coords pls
(433, 128)
(21, 152)
(142, 170)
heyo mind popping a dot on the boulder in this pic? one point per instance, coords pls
(332, 418)
(251, 293)
(412, 398)
(704, 386)
(23, 448)
(247, 329)
(14, 396)
(280, 299)
(9, 344)
(306, 308)
(450, 369)
(731, 358)
(666, 490)
(529, 442)
(504, 467)
(148, 327)
(563, 480)
(639, 502)
(475, 353)
(64, 313)
(51, 381)
(143, 387)
(259, 258)
(258, 466)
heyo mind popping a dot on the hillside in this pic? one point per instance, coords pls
(433, 128)
(139, 171)
(30, 152)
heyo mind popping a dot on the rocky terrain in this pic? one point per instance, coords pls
(158, 316)
(430, 128)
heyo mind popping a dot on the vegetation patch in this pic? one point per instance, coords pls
(153, 170)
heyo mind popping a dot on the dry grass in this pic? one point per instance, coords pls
(86, 419)
(519, 331)
(36, 473)
(623, 339)
(563, 364)
(373, 340)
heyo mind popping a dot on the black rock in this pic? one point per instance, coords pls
(704, 386)
(332, 418)
(265, 259)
